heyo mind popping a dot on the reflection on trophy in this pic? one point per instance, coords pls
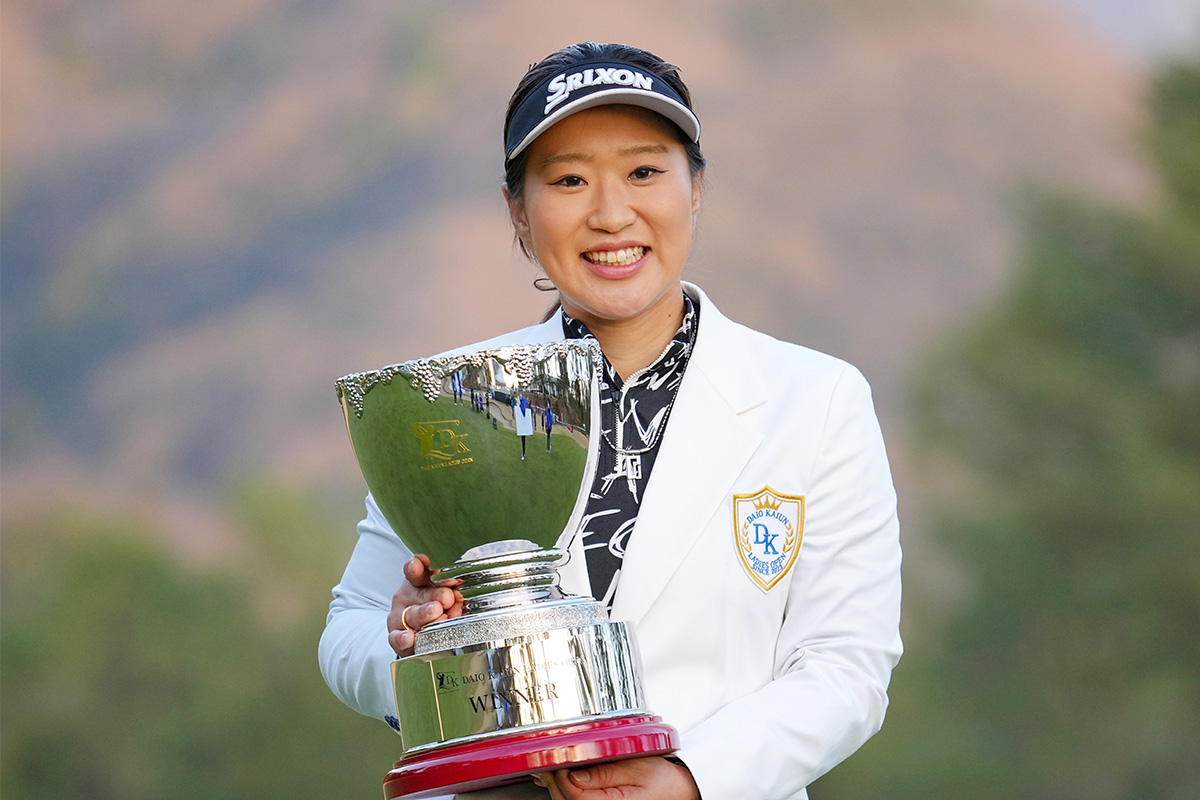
(529, 679)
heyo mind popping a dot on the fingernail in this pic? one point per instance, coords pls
(581, 776)
(538, 780)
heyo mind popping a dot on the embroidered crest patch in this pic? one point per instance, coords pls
(768, 527)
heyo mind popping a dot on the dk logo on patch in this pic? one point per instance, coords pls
(768, 527)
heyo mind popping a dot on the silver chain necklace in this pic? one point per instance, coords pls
(629, 462)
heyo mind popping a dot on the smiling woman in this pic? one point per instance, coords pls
(742, 512)
(608, 212)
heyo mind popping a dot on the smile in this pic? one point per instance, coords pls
(616, 258)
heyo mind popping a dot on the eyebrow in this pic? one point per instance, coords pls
(639, 149)
(643, 148)
(560, 158)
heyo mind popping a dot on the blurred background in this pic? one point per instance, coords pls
(210, 211)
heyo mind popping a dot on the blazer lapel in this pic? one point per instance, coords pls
(705, 447)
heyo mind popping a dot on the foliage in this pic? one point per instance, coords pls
(1070, 418)
(1176, 104)
(127, 676)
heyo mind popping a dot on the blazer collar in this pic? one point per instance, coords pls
(721, 352)
(705, 447)
(723, 380)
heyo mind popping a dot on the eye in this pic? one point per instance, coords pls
(645, 173)
(568, 181)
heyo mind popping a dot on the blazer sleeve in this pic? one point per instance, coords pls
(839, 637)
(354, 654)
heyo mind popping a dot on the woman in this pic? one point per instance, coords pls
(742, 513)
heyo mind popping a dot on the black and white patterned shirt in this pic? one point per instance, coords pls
(633, 417)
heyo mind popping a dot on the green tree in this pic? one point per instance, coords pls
(127, 676)
(1068, 422)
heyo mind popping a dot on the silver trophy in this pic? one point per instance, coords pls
(483, 461)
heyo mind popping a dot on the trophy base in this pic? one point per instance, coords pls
(513, 757)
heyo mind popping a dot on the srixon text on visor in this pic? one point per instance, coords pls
(562, 86)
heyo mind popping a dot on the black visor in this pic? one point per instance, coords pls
(590, 85)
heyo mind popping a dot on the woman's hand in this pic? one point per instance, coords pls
(635, 779)
(419, 601)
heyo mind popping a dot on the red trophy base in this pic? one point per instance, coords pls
(513, 757)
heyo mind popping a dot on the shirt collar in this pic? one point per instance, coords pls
(686, 335)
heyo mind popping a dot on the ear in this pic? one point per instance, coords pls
(697, 191)
(516, 213)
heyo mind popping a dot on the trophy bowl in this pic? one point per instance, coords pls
(483, 461)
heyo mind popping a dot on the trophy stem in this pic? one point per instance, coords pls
(509, 580)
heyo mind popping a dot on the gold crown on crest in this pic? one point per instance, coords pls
(767, 502)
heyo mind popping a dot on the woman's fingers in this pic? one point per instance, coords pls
(413, 610)
(549, 782)
(419, 601)
(417, 571)
(405, 621)
(402, 642)
(419, 616)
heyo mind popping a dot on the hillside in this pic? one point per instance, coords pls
(210, 211)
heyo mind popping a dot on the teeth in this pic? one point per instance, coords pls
(623, 257)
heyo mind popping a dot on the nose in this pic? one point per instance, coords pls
(613, 209)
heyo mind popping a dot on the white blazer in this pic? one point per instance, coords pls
(769, 688)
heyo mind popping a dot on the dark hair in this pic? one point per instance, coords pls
(591, 52)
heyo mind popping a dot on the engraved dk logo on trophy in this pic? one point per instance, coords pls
(441, 443)
(529, 679)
